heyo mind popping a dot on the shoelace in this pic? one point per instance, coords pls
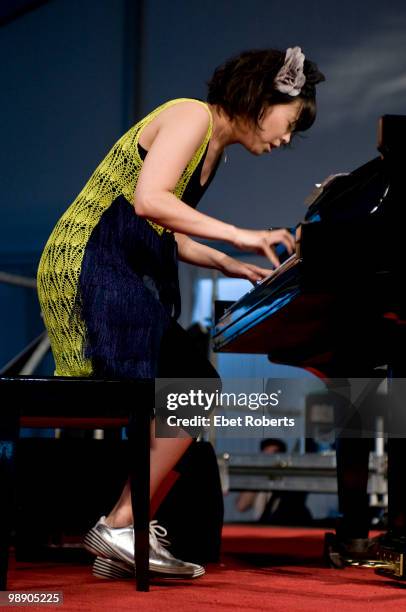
(158, 533)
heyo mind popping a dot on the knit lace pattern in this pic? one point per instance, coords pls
(60, 264)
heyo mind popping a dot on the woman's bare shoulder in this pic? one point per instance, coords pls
(183, 129)
(181, 114)
(192, 114)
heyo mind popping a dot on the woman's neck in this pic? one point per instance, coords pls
(224, 130)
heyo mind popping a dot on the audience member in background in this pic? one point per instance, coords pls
(276, 507)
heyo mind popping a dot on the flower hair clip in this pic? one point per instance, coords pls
(290, 78)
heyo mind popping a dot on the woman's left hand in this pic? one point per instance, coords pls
(240, 269)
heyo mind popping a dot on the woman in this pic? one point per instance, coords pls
(107, 278)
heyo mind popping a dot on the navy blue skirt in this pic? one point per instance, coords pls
(128, 294)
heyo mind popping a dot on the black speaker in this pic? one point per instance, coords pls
(193, 510)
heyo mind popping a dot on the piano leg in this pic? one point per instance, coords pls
(352, 481)
(352, 451)
(396, 453)
(351, 544)
(392, 546)
(396, 487)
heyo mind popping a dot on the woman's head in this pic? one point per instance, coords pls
(248, 86)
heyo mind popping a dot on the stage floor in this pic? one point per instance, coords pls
(262, 568)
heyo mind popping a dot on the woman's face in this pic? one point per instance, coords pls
(275, 128)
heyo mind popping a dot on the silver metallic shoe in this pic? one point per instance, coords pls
(118, 570)
(118, 545)
(112, 569)
(162, 561)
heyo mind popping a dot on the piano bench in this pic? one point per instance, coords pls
(31, 401)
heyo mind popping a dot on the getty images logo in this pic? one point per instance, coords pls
(208, 401)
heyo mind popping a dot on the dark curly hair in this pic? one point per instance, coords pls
(244, 86)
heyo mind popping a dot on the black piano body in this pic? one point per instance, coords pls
(341, 293)
(338, 306)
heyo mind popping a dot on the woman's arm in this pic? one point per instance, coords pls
(194, 252)
(180, 134)
(191, 251)
(178, 137)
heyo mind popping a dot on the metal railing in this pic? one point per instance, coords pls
(29, 359)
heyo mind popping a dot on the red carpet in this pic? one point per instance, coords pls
(263, 568)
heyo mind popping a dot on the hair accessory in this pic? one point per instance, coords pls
(290, 78)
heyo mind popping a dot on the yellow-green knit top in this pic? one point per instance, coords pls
(60, 264)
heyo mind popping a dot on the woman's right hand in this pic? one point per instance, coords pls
(262, 241)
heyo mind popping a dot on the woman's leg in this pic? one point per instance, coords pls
(165, 453)
(179, 358)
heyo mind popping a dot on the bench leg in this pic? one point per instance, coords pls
(5, 526)
(8, 438)
(139, 438)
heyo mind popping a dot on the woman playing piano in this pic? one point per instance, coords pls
(107, 278)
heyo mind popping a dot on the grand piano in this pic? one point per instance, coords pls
(337, 307)
(343, 283)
